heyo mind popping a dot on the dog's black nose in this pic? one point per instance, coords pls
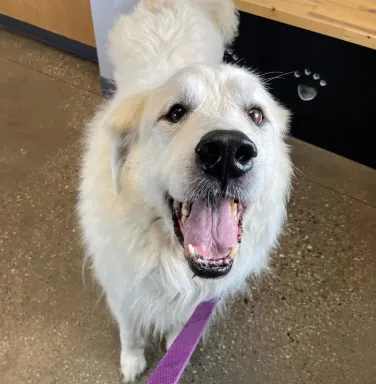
(225, 154)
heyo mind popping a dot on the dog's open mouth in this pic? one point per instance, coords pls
(210, 233)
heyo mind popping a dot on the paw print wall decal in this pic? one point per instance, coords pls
(309, 84)
(230, 56)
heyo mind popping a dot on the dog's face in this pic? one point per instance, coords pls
(205, 146)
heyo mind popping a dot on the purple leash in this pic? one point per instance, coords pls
(171, 367)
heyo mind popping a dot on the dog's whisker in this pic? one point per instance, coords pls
(238, 61)
(271, 73)
(279, 76)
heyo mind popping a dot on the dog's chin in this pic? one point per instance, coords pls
(209, 231)
(207, 271)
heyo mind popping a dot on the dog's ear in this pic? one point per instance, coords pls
(122, 125)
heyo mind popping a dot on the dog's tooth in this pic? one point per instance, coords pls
(220, 262)
(234, 251)
(191, 251)
(234, 210)
(183, 219)
(226, 261)
(185, 209)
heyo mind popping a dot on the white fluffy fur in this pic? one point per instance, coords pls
(161, 52)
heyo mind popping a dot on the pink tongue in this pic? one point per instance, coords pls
(211, 230)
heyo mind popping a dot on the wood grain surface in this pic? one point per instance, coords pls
(69, 18)
(350, 20)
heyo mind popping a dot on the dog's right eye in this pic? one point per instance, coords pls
(176, 113)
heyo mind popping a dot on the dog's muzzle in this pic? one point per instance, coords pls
(209, 225)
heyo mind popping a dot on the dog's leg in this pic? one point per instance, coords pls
(132, 356)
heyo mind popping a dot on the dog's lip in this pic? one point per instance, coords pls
(210, 268)
(206, 271)
(175, 220)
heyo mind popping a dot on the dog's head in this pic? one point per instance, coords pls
(205, 146)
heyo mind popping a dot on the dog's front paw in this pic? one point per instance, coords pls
(132, 365)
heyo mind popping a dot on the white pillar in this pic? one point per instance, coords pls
(104, 13)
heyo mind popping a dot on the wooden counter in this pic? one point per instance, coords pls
(68, 18)
(350, 20)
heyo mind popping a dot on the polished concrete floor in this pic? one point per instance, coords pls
(313, 320)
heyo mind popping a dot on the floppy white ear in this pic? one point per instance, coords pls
(122, 125)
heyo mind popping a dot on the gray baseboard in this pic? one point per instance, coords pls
(74, 47)
(79, 49)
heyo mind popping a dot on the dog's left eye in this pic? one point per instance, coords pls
(256, 115)
(176, 113)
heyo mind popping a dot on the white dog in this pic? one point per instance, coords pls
(185, 174)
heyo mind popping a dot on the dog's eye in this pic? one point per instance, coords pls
(256, 115)
(176, 113)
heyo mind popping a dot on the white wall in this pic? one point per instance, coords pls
(104, 13)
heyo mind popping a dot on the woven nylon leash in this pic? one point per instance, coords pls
(171, 367)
